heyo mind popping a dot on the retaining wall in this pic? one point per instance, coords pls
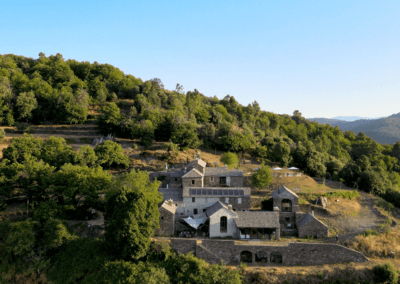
(303, 254)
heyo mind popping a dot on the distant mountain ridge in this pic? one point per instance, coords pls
(353, 118)
(384, 130)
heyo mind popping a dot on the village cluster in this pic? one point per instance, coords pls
(212, 202)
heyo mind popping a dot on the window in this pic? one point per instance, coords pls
(193, 199)
(162, 218)
(195, 211)
(212, 179)
(176, 179)
(222, 180)
(227, 200)
(192, 181)
(224, 224)
(176, 205)
(286, 205)
(287, 219)
(239, 201)
(204, 210)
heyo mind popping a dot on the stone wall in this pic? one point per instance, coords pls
(213, 181)
(313, 228)
(187, 182)
(183, 245)
(292, 253)
(238, 203)
(167, 221)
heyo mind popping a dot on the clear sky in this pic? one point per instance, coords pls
(324, 58)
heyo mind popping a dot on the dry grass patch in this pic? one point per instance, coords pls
(384, 245)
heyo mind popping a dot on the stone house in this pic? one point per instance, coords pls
(308, 225)
(221, 220)
(167, 219)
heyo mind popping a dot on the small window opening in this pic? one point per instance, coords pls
(224, 224)
(193, 199)
(195, 211)
(239, 201)
(192, 181)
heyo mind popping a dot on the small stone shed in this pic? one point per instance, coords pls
(310, 226)
(167, 219)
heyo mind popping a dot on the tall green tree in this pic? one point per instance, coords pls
(25, 104)
(262, 177)
(131, 214)
(110, 154)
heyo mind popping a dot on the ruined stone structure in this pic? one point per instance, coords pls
(265, 253)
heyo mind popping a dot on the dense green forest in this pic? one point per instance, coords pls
(61, 183)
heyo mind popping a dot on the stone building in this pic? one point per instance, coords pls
(308, 225)
(167, 219)
(213, 202)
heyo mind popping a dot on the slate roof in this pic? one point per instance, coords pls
(221, 191)
(214, 208)
(257, 219)
(307, 218)
(198, 162)
(282, 189)
(193, 173)
(224, 172)
(171, 193)
(177, 174)
(169, 207)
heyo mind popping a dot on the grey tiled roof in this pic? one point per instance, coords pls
(307, 218)
(197, 161)
(193, 173)
(257, 219)
(222, 171)
(177, 174)
(282, 189)
(214, 208)
(171, 193)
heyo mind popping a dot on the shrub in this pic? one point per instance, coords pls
(302, 201)
(23, 127)
(230, 159)
(384, 204)
(2, 134)
(135, 146)
(385, 273)
(369, 232)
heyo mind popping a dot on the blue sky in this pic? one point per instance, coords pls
(324, 58)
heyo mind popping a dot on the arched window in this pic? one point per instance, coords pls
(286, 205)
(224, 224)
(246, 256)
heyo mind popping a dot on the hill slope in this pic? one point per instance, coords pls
(383, 130)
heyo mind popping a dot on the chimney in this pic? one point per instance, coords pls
(184, 170)
(230, 207)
